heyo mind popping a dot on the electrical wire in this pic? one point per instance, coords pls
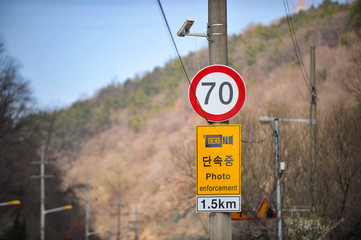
(179, 57)
(295, 44)
(294, 39)
(259, 141)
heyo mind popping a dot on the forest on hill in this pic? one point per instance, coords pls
(136, 139)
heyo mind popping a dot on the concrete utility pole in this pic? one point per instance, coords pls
(42, 195)
(87, 201)
(217, 32)
(313, 129)
(42, 177)
(118, 205)
(87, 217)
(220, 223)
(87, 209)
(136, 222)
(278, 179)
(279, 167)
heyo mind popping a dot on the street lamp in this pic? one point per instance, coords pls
(109, 232)
(280, 166)
(66, 207)
(264, 119)
(93, 233)
(43, 213)
(100, 232)
(14, 202)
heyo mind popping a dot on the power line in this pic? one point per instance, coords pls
(72, 25)
(295, 43)
(173, 42)
(259, 141)
(179, 57)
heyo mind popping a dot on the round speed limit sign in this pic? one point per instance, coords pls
(217, 93)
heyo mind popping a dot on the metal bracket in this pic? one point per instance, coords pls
(214, 34)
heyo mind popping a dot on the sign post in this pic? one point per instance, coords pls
(218, 168)
(217, 93)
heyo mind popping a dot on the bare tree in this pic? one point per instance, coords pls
(339, 169)
(15, 93)
(352, 81)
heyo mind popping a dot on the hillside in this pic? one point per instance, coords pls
(137, 138)
(151, 165)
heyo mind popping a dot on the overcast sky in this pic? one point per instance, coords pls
(68, 49)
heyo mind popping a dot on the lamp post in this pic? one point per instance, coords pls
(109, 232)
(66, 207)
(279, 168)
(280, 165)
(93, 233)
(42, 177)
(271, 119)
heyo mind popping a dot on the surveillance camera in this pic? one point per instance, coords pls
(184, 30)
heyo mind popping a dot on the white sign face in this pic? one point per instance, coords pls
(219, 204)
(217, 93)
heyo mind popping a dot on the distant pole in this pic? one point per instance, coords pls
(313, 129)
(87, 209)
(109, 235)
(136, 224)
(278, 178)
(42, 195)
(118, 212)
(87, 206)
(118, 205)
(42, 177)
(220, 223)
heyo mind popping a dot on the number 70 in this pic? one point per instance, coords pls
(220, 92)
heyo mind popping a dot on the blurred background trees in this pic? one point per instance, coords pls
(23, 130)
(137, 138)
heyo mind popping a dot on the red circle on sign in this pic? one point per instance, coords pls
(211, 115)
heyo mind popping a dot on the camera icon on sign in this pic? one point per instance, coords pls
(218, 140)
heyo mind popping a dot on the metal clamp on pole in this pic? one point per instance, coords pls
(216, 25)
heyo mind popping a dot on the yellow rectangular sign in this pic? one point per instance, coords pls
(218, 160)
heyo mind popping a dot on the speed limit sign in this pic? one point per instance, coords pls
(217, 93)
